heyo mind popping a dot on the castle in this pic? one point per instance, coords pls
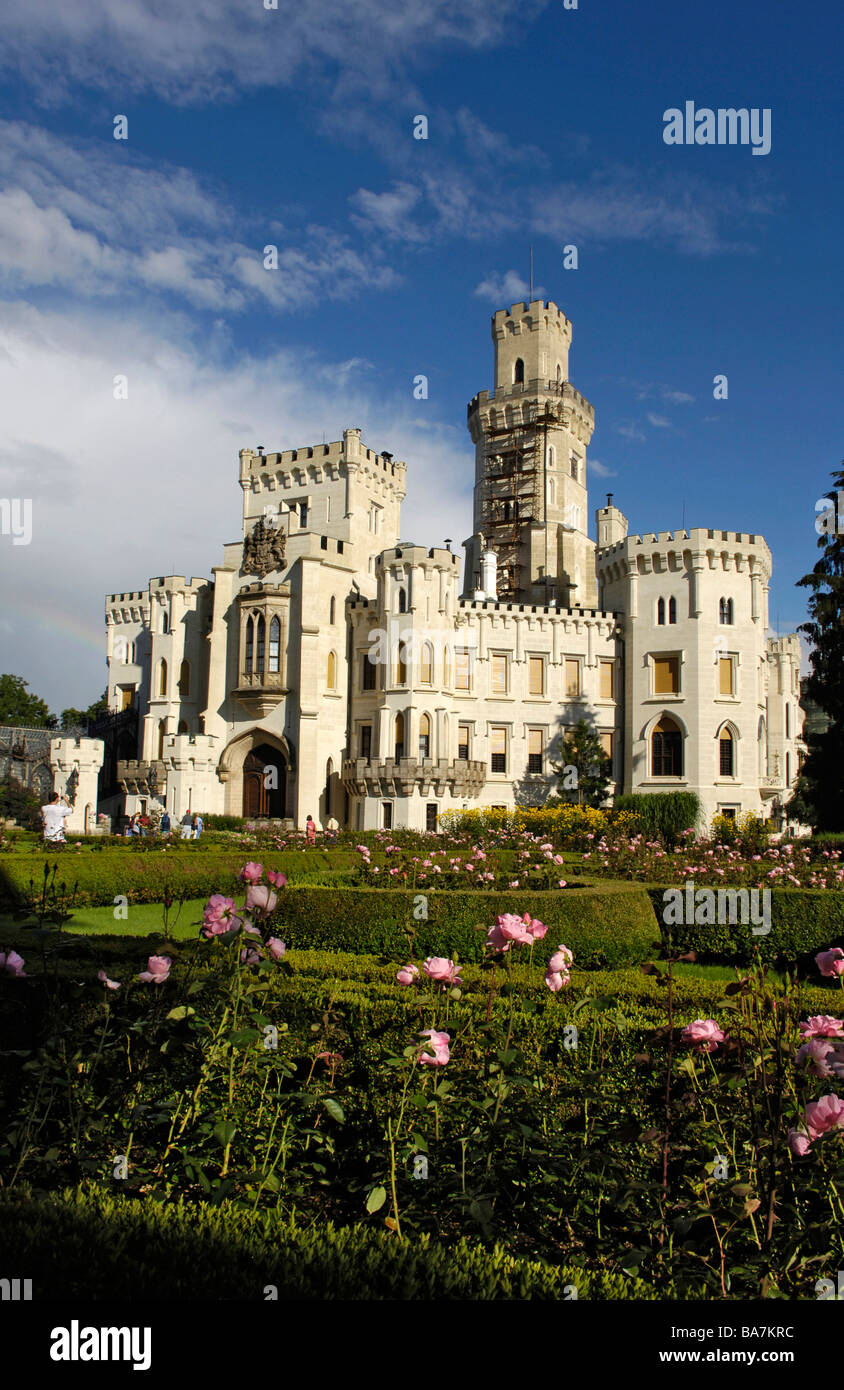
(331, 668)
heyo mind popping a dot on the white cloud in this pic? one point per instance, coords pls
(600, 469)
(508, 288)
(72, 216)
(658, 421)
(188, 52)
(630, 431)
(122, 490)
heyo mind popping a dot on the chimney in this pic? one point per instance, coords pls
(489, 575)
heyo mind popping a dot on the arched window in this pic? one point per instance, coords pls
(402, 601)
(250, 636)
(162, 729)
(184, 679)
(275, 644)
(552, 491)
(660, 611)
(332, 671)
(726, 753)
(506, 511)
(329, 775)
(260, 635)
(672, 610)
(559, 373)
(666, 748)
(762, 748)
(162, 678)
(552, 456)
(519, 371)
(401, 664)
(725, 611)
(331, 610)
(399, 742)
(165, 623)
(183, 728)
(424, 737)
(446, 668)
(426, 664)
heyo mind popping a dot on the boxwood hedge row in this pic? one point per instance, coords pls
(803, 921)
(93, 1245)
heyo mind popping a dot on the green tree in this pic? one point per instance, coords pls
(19, 707)
(819, 795)
(19, 803)
(81, 718)
(584, 771)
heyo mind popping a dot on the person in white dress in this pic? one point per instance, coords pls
(53, 817)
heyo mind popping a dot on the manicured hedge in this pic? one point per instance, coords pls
(76, 1244)
(803, 921)
(96, 879)
(608, 925)
(665, 814)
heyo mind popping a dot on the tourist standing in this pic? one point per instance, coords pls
(310, 830)
(187, 825)
(53, 817)
(164, 824)
(197, 826)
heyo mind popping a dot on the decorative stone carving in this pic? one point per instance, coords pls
(263, 549)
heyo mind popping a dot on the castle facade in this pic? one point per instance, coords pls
(330, 668)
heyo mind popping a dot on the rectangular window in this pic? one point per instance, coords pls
(463, 742)
(431, 816)
(607, 743)
(461, 669)
(387, 815)
(127, 697)
(366, 741)
(498, 750)
(725, 675)
(499, 674)
(666, 675)
(303, 513)
(534, 750)
(536, 675)
(607, 669)
(572, 678)
(368, 672)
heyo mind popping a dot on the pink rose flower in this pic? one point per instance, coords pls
(705, 1033)
(278, 879)
(276, 948)
(407, 974)
(799, 1143)
(260, 898)
(443, 971)
(249, 956)
(219, 915)
(812, 1056)
(830, 963)
(251, 873)
(822, 1026)
(513, 928)
(497, 940)
(109, 984)
(536, 928)
(824, 1115)
(12, 964)
(158, 968)
(561, 960)
(438, 1042)
(556, 980)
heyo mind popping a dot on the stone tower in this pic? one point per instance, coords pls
(531, 436)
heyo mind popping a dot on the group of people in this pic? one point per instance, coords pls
(191, 824)
(331, 829)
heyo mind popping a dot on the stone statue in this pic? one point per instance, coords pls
(263, 549)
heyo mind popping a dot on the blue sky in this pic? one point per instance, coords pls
(294, 127)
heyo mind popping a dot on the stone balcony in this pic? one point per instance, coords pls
(388, 777)
(260, 691)
(143, 778)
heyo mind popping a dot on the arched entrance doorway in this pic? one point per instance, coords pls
(264, 782)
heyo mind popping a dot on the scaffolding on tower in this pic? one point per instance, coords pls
(513, 494)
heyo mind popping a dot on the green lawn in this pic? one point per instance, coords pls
(142, 919)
